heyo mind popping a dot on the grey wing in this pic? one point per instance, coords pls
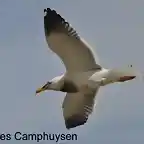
(62, 39)
(77, 107)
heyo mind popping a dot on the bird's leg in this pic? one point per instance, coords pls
(106, 81)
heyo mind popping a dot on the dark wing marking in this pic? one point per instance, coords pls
(77, 107)
(69, 87)
(57, 23)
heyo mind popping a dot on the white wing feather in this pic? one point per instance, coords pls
(67, 44)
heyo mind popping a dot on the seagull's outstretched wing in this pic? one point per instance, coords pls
(77, 107)
(67, 44)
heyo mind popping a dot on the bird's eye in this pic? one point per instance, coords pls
(49, 82)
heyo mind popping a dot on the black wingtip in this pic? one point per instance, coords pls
(75, 121)
(51, 20)
(48, 10)
(55, 22)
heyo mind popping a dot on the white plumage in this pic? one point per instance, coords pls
(77, 57)
(84, 74)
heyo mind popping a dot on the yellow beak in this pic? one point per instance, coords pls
(39, 90)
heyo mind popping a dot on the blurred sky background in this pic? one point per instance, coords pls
(115, 29)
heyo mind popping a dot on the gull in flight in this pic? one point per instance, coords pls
(84, 75)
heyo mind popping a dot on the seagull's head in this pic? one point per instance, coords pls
(44, 87)
(53, 84)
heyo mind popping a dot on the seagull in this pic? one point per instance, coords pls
(84, 74)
